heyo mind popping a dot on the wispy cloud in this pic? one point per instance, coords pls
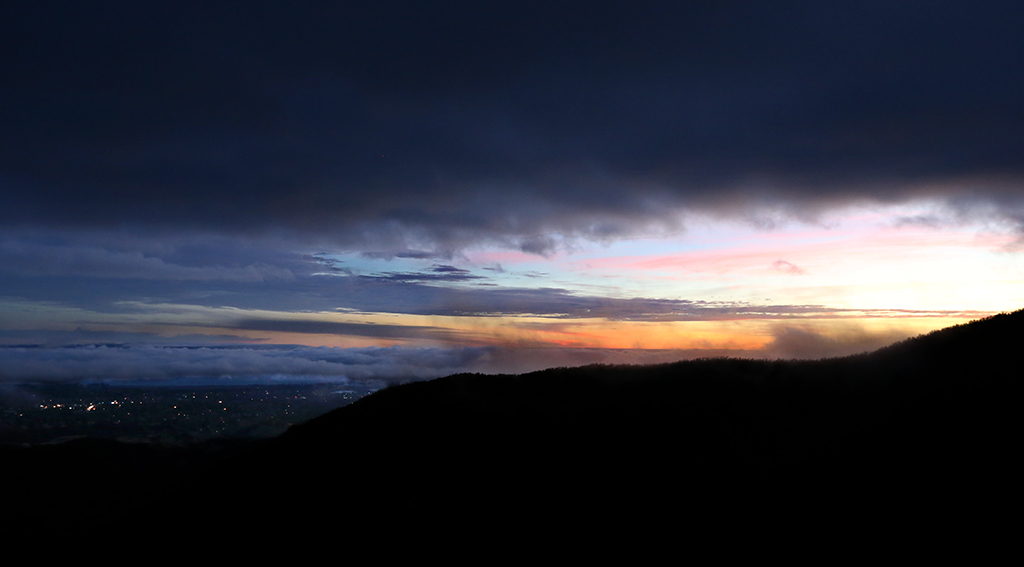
(326, 327)
(796, 341)
(788, 268)
(436, 273)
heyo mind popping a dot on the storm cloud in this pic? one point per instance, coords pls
(396, 125)
(178, 176)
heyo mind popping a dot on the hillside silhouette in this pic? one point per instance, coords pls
(923, 433)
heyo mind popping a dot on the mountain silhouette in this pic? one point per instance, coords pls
(919, 435)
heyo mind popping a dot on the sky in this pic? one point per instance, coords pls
(397, 190)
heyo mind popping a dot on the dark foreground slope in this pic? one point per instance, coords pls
(920, 434)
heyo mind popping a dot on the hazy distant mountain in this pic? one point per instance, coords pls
(922, 433)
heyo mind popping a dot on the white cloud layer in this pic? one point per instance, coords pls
(101, 362)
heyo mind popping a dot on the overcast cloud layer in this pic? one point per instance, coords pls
(221, 172)
(380, 124)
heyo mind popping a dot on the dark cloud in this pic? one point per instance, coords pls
(24, 257)
(436, 273)
(352, 329)
(164, 163)
(36, 338)
(427, 126)
(331, 265)
(414, 254)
